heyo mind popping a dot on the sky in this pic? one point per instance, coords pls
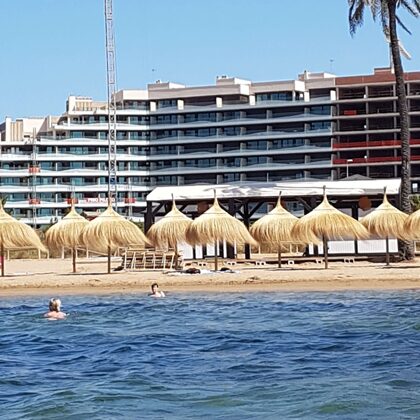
(54, 48)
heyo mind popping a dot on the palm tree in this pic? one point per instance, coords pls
(386, 12)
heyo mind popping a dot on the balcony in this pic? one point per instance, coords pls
(383, 159)
(365, 144)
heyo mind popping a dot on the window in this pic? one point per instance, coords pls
(167, 103)
(320, 125)
(274, 96)
(320, 110)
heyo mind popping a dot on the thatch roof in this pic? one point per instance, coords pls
(66, 232)
(275, 227)
(170, 230)
(386, 221)
(110, 229)
(326, 222)
(412, 226)
(16, 234)
(215, 225)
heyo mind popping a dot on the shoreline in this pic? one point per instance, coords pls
(53, 278)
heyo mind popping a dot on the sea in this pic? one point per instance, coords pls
(341, 355)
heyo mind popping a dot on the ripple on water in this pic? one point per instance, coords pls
(266, 355)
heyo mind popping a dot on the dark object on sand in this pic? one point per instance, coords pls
(226, 270)
(192, 270)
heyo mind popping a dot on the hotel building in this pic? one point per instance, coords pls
(316, 127)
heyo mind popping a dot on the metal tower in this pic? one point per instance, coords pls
(112, 108)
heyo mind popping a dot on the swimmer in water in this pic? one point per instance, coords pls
(156, 292)
(55, 310)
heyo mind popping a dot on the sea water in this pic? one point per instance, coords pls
(347, 355)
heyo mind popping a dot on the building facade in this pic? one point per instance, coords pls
(316, 127)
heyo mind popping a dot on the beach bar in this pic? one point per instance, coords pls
(357, 197)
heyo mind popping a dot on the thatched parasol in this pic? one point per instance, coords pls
(109, 231)
(66, 233)
(275, 227)
(384, 222)
(412, 226)
(327, 223)
(216, 225)
(170, 230)
(15, 234)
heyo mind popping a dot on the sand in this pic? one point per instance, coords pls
(53, 277)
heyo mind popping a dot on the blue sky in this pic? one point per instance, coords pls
(53, 48)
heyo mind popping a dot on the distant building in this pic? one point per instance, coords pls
(316, 127)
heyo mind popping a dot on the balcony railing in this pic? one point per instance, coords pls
(366, 144)
(380, 159)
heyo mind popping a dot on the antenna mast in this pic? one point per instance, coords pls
(112, 108)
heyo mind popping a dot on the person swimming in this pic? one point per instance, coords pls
(55, 310)
(155, 291)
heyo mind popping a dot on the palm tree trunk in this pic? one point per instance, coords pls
(407, 247)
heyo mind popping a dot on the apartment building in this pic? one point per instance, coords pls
(318, 126)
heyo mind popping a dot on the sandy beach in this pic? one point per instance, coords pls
(54, 277)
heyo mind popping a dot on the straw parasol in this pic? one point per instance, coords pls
(384, 222)
(412, 226)
(66, 233)
(15, 234)
(327, 223)
(216, 225)
(109, 231)
(170, 230)
(275, 227)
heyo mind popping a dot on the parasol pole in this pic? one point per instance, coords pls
(109, 259)
(73, 255)
(2, 258)
(279, 255)
(279, 247)
(216, 246)
(324, 238)
(387, 237)
(325, 245)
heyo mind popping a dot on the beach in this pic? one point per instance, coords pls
(54, 277)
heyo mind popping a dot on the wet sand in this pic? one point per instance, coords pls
(53, 277)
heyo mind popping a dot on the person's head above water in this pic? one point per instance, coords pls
(55, 305)
(155, 287)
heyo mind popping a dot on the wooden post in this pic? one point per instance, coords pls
(74, 255)
(279, 255)
(176, 255)
(387, 250)
(325, 244)
(109, 259)
(2, 258)
(216, 246)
